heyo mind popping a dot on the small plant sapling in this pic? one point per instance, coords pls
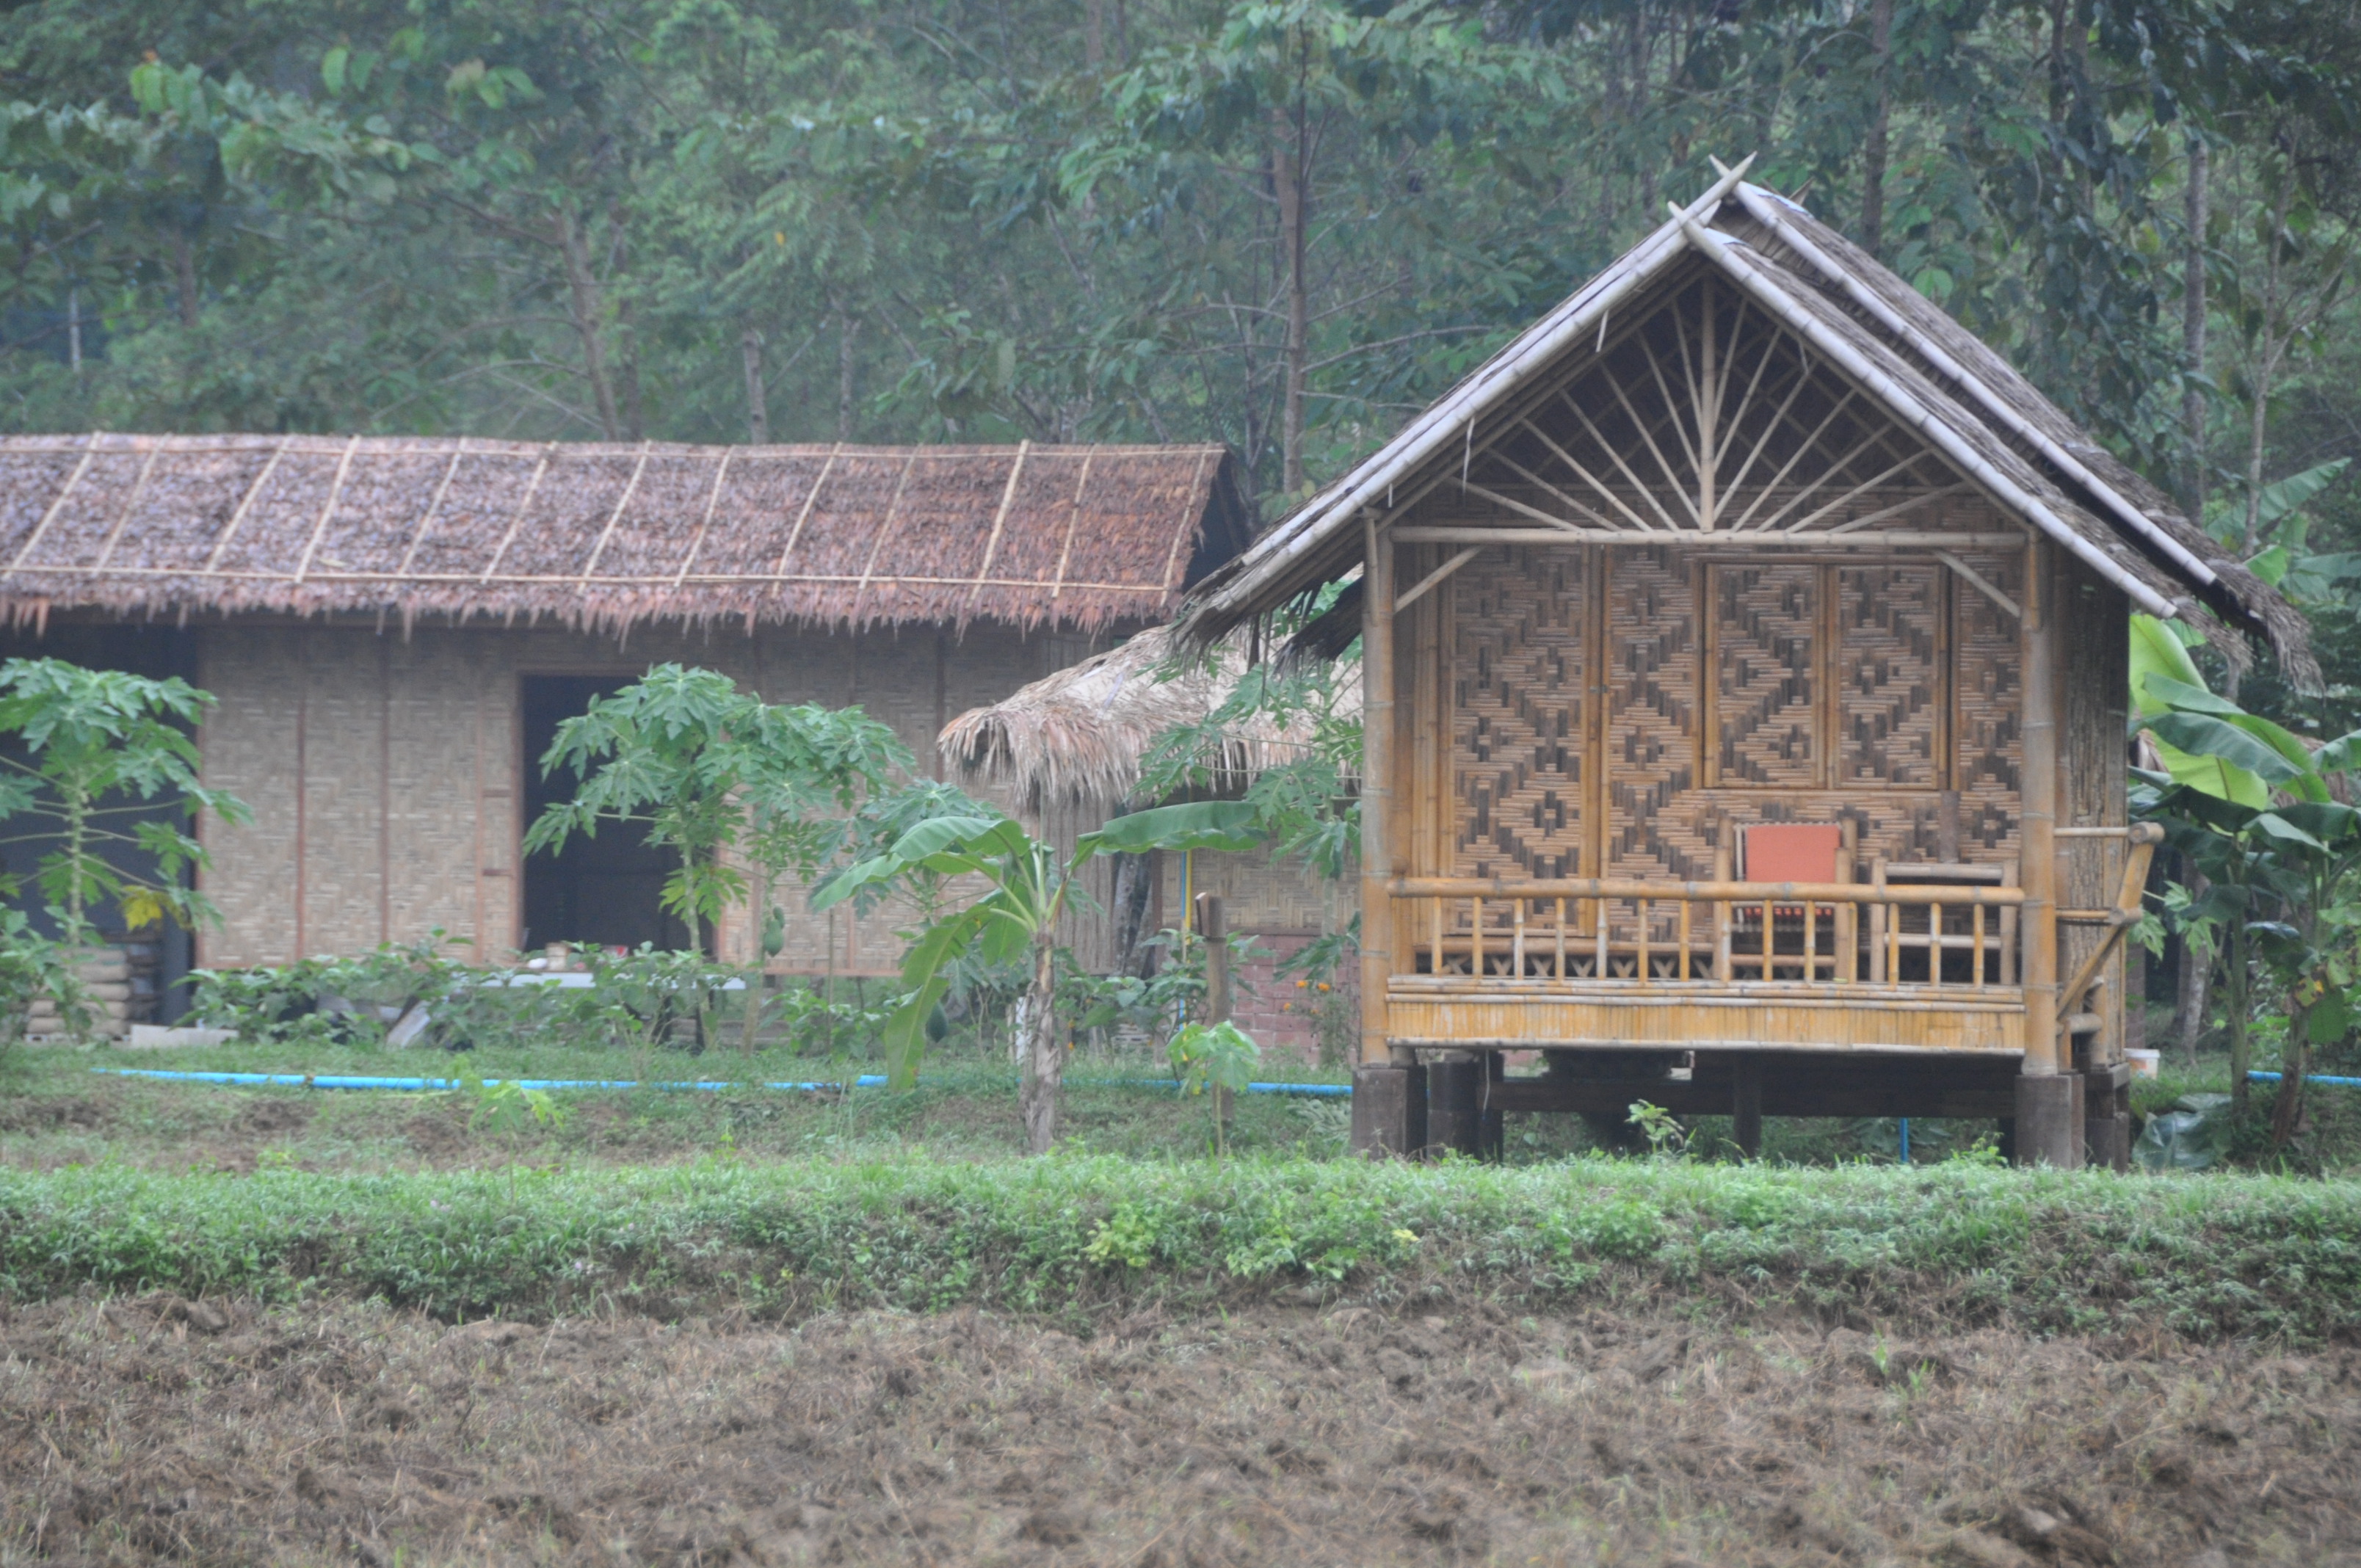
(1667, 1139)
(1216, 1059)
(1027, 884)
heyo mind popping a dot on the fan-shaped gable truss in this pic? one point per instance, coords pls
(1702, 415)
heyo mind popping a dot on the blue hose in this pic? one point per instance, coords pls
(2309, 1077)
(425, 1085)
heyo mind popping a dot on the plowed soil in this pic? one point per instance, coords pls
(219, 1432)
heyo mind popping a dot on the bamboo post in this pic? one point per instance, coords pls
(1517, 941)
(1847, 921)
(1214, 926)
(1935, 944)
(1561, 939)
(1434, 948)
(1598, 944)
(2048, 1122)
(2039, 857)
(1641, 907)
(2008, 928)
(1879, 920)
(1685, 938)
(1475, 940)
(1721, 912)
(1388, 1104)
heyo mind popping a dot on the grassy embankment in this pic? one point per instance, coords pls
(1958, 1244)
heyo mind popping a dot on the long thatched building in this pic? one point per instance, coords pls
(393, 628)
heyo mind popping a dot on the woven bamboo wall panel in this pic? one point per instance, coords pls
(405, 756)
(1987, 694)
(1766, 627)
(1517, 729)
(249, 742)
(1652, 676)
(1889, 675)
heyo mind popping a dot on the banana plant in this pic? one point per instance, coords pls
(2255, 808)
(1026, 886)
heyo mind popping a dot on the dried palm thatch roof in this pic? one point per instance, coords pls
(1963, 420)
(605, 536)
(1079, 736)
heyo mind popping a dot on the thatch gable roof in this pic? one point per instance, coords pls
(1079, 736)
(607, 535)
(1978, 423)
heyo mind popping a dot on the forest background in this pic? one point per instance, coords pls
(1284, 226)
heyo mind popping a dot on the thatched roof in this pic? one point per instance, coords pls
(607, 536)
(1079, 736)
(1980, 425)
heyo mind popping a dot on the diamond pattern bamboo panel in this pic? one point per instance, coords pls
(1890, 674)
(1517, 713)
(1988, 657)
(1651, 719)
(1767, 622)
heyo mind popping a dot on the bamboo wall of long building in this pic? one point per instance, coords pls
(386, 773)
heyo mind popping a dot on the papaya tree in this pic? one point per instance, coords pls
(101, 746)
(1026, 886)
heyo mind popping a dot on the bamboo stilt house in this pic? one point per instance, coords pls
(1745, 690)
(393, 627)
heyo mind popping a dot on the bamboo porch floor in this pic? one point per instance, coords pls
(1447, 1012)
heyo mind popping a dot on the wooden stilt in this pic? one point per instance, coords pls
(1746, 1105)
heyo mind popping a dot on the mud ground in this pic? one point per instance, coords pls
(218, 1432)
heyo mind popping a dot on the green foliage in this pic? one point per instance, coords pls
(345, 1000)
(2270, 1257)
(706, 768)
(1667, 1139)
(102, 744)
(1217, 1060)
(2254, 810)
(33, 967)
(1026, 885)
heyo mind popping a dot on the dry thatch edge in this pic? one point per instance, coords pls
(664, 580)
(1167, 500)
(1079, 737)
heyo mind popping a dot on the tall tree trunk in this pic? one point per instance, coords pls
(1093, 33)
(1036, 1094)
(2242, 1055)
(848, 328)
(2192, 985)
(2192, 327)
(1874, 152)
(588, 308)
(628, 411)
(758, 406)
(2295, 1062)
(1290, 187)
(184, 276)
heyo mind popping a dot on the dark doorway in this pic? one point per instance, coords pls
(606, 889)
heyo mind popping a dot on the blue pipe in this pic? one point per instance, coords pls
(1906, 1140)
(2309, 1077)
(425, 1085)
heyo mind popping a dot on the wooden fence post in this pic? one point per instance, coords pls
(1214, 929)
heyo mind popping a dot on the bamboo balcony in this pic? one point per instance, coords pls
(1706, 965)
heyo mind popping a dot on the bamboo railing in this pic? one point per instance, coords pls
(1654, 933)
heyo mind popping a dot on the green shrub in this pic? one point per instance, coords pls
(1958, 1243)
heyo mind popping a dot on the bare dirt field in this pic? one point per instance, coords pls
(219, 1432)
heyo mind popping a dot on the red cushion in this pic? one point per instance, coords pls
(1793, 851)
